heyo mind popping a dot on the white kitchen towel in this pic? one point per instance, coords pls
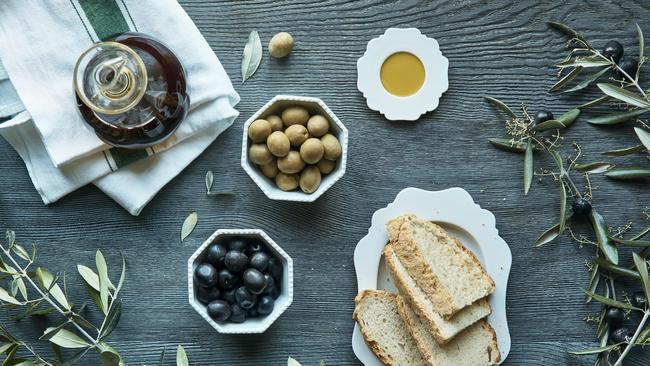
(40, 42)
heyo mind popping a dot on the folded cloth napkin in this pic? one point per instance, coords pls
(39, 45)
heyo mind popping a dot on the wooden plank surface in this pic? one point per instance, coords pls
(500, 48)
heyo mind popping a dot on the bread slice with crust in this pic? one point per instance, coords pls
(448, 273)
(384, 329)
(474, 346)
(442, 329)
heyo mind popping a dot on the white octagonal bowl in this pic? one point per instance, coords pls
(314, 106)
(254, 325)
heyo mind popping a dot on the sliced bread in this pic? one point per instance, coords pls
(448, 273)
(475, 346)
(442, 329)
(384, 329)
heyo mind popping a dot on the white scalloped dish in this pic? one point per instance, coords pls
(455, 210)
(426, 98)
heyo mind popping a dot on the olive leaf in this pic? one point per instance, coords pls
(641, 234)
(110, 358)
(641, 41)
(593, 281)
(20, 251)
(586, 61)
(602, 235)
(66, 339)
(528, 167)
(610, 302)
(46, 280)
(102, 272)
(550, 234)
(252, 56)
(587, 81)
(561, 122)
(644, 137)
(594, 351)
(568, 31)
(499, 104)
(6, 297)
(568, 77)
(594, 167)
(508, 145)
(628, 173)
(112, 319)
(595, 102)
(624, 95)
(642, 267)
(292, 362)
(614, 269)
(188, 225)
(161, 361)
(209, 180)
(562, 207)
(632, 243)
(181, 357)
(625, 151)
(644, 336)
(52, 331)
(616, 118)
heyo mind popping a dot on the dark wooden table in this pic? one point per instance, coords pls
(494, 48)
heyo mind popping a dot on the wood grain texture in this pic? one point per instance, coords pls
(499, 48)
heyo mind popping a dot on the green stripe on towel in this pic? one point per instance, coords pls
(123, 157)
(105, 17)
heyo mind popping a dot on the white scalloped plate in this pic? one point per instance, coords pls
(396, 108)
(455, 210)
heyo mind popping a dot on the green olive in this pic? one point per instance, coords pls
(260, 154)
(297, 134)
(287, 182)
(270, 170)
(276, 122)
(295, 115)
(332, 147)
(311, 151)
(318, 125)
(278, 144)
(310, 179)
(292, 163)
(326, 166)
(259, 130)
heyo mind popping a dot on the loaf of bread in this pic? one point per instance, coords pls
(448, 273)
(384, 330)
(474, 346)
(442, 329)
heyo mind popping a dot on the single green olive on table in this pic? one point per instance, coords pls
(542, 133)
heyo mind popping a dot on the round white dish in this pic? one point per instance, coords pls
(394, 107)
(455, 210)
(253, 325)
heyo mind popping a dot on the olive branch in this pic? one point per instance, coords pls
(529, 135)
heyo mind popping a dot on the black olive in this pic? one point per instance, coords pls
(252, 313)
(639, 300)
(543, 116)
(229, 297)
(207, 295)
(219, 310)
(614, 317)
(254, 281)
(236, 261)
(215, 255)
(227, 280)
(620, 335)
(581, 207)
(238, 315)
(206, 275)
(245, 298)
(238, 244)
(613, 50)
(256, 245)
(629, 65)
(275, 268)
(265, 305)
(260, 261)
